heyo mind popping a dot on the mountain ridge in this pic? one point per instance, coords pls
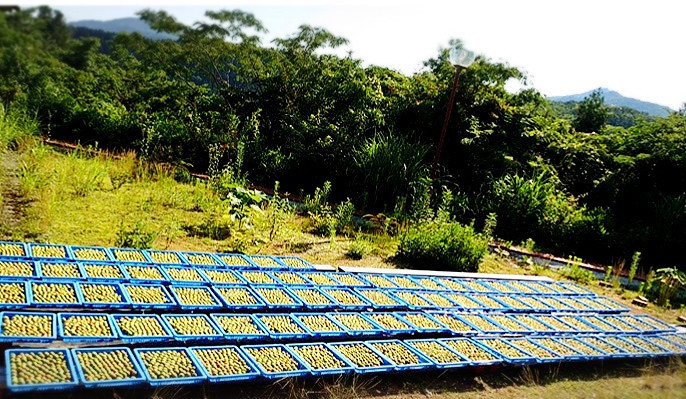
(128, 25)
(614, 98)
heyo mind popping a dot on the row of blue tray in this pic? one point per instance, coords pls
(454, 353)
(265, 262)
(125, 272)
(44, 251)
(332, 324)
(256, 297)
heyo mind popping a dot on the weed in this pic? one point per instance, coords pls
(135, 237)
(634, 266)
(358, 249)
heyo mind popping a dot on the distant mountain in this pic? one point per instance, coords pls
(128, 25)
(618, 100)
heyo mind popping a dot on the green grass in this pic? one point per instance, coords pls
(80, 199)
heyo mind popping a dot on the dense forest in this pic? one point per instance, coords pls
(217, 99)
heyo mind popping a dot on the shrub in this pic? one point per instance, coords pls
(443, 245)
(358, 249)
(134, 237)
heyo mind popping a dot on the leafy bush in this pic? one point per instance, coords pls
(666, 285)
(443, 245)
(358, 249)
(134, 237)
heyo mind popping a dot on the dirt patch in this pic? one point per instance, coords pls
(14, 204)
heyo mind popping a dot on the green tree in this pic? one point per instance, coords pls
(591, 113)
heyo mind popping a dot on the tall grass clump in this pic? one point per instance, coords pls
(385, 166)
(14, 126)
(444, 245)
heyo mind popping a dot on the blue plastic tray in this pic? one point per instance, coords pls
(322, 279)
(248, 276)
(472, 285)
(378, 280)
(124, 276)
(306, 333)
(534, 303)
(39, 387)
(136, 255)
(175, 289)
(618, 352)
(199, 377)
(301, 371)
(77, 296)
(494, 328)
(452, 284)
(20, 246)
(552, 321)
(295, 263)
(454, 326)
(201, 259)
(258, 303)
(441, 365)
(299, 293)
(422, 363)
(317, 372)
(161, 276)
(374, 329)
(212, 277)
(179, 336)
(573, 355)
(295, 304)
(408, 329)
(27, 294)
(622, 326)
(26, 338)
(523, 358)
(105, 255)
(155, 257)
(236, 261)
(428, 283)
(597, 324)
(353, 280)
(404, 282)
(261, 333)
(589, 351)
(5, 275)
(171, 304)
(499, 286)
(651, 347)
(660, 326)
(512, 303)
(35, 254)
(85, 338)
(296, 280)
(141, 338)
(360, 304)
(250, 375)
(463, 301)
(267, 262)
(342, 332)
(612, 305)
(569, 288)
(44, 267)
(394, 302)
(197, 279)
(547, 330)
(555, 357)
(581, 327)
(437, 328)
(675, 345)
(386, 366)
(545, 287)
(631, 349)
(509, 322)
(125, 303)
(491, 302)
(522, 287)
(413, 299)
(130, 381)
(495, 357)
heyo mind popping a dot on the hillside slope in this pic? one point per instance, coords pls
(615, 99)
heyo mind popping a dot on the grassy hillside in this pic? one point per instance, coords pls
(78, 198)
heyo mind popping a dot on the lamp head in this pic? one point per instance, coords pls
(462, 57)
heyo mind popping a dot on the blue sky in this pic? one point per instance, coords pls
(566, 47)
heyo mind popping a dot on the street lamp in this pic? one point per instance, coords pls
(461, 58)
